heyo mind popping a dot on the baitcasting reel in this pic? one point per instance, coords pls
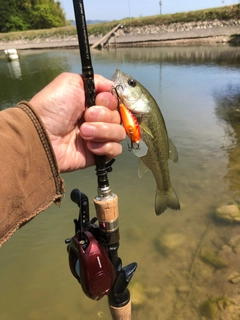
(88, 259)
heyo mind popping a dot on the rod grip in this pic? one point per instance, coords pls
(122, 313)
(107, 209)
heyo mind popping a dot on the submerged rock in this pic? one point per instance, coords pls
(212, 306)
(138, 296)
(209, 309)
(183, 289)
(101, 315)
(234, 278)
(228, 213)
(153, 291)
(168, 242)
(234, 243)
(209, 256)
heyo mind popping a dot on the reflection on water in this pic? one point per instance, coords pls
(24, 77)
(15, 69)
(217, 55)
(228, 112)
(188, 264)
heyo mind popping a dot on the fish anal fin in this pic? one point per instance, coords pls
(140, 149)
(173, 154)
(142, 169)
(166, 200)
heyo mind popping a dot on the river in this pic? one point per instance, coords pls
(198, 91)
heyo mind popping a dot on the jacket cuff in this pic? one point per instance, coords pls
(30, 176)
(43, 136)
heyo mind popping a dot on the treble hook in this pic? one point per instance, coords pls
(132, 147)
(116, 92)
(114, 88)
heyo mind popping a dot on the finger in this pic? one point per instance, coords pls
(101, 114)
(102, 84)
(106, 99)
(108, 149)
(102, 132)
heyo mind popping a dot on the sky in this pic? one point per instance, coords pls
(118, 9)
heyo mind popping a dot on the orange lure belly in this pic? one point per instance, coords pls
(130, 123)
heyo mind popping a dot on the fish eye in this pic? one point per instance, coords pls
(132, 82)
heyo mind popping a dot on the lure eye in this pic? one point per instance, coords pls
(132, 83)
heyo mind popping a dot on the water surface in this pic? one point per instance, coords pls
(198, 91)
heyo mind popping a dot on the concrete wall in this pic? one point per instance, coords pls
(177, 27)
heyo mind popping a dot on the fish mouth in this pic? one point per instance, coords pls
(116, 76)
(115, 91)
(118, 80)
(122, 91)
(117, 88)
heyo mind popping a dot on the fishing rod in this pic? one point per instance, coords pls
(93, 251)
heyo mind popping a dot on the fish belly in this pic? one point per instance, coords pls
(157, 161)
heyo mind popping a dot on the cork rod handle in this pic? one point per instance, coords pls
(107, 210)
(123, 313)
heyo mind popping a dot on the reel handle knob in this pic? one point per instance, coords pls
(78, 197)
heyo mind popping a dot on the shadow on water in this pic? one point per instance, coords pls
(188, 262)
(235, 40)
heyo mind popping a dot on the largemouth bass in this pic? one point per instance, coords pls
(154, 134)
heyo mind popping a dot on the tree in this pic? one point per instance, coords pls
(45, 16)
(18, 15)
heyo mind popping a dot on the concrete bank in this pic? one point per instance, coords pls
(216, 35)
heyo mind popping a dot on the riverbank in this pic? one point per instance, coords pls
(193, 33)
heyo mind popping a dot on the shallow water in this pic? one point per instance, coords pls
(198, 91)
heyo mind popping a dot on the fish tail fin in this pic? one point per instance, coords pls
(167, 200)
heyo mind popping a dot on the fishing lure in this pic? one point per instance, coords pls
(133, 130)
(130, 123)
(131, 127)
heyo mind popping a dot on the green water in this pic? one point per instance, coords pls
(198, 91)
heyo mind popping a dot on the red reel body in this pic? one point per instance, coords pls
(94, 270)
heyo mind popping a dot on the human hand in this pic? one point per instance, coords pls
(61, 107)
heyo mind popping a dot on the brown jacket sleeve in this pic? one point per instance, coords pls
(30, 180)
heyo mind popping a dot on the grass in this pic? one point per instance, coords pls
(36, 34)
(221, 13)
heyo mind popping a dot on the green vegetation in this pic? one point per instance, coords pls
(19, 15)
(222, 13)
(59, 33)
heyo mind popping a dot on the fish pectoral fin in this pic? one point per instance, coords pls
(140, 149)
(173, 154)
(142, 168)
(146, 129)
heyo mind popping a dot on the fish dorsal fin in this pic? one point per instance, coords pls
(141, 149)
(146, 129)
(142, 169)
(173, 154)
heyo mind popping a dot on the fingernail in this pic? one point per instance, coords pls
(87, 130)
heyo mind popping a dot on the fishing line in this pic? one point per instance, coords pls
(129, 10)
(66, 26)
(130, 17)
